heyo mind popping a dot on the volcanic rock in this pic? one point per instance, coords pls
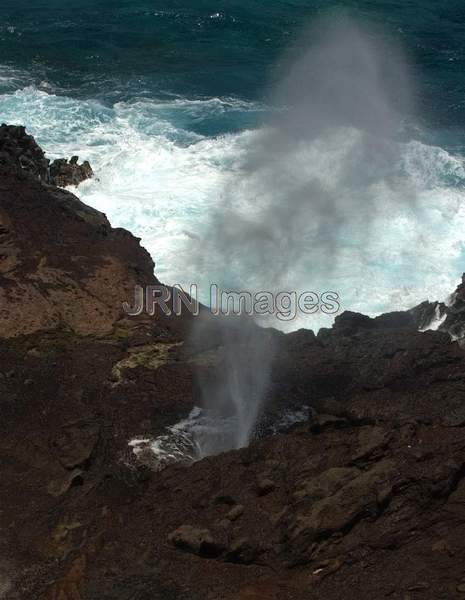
(235, 512)
(195, 540)
(64, 173)
(365, 499)
(20, 154)
(265, 486)
(242, 551)
(449, 317)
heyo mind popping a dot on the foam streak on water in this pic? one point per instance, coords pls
(203, 433)
(160, 180)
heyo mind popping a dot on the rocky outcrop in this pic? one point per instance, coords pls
(197, 541)
(20, 154)
(372, 510)
(74, 278)
(365, 499)
(449, 317)
(62, 266)
(64, 173)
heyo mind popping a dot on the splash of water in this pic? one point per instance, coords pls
(348, 91)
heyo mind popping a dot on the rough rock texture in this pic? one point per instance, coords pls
(454, 313)
(64, 173)
(61, 264)
(20, 154)
(364, 501)
(448, 317)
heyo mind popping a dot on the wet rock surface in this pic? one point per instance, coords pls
(64, 173)
(363, 500)
(448, 317)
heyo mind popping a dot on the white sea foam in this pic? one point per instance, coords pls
(438, 319)
(188, 440)
(161, 181)
(203, 433)
(12, 78)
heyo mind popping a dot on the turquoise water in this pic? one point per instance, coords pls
(168, 98)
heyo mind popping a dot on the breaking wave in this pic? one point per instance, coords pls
(162, 167)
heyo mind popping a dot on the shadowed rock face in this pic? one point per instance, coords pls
(20, 153)
(449, 317)
(365, 500)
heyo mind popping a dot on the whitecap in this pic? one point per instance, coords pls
(161, 180)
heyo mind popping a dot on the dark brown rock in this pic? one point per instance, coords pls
(366, 499)
(265, 486)
(20, 154)
(242, 551)
(64, 173)
(195, 540)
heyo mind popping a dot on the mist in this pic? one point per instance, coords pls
(310, 183)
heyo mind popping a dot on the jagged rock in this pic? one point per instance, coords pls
(58, 280)
(421, 585)
(58, 487)
(64, 173)
(448, 317)
(427, 313)
(456, 502)
(454, 322)
(20, 153)
(350, 323)
(71, 585)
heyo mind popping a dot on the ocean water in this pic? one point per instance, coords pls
(167, 99)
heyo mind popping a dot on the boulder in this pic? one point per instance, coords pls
(265, 486)
(64, 173)
(197, 541)
(338, 497)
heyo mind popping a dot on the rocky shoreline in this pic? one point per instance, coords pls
(19, 152)
(365, 499)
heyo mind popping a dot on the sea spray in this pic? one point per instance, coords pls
(234, 390)
(162, 187)
(349, 91)
(324, 168)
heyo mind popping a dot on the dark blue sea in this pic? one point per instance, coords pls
(337, 183)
